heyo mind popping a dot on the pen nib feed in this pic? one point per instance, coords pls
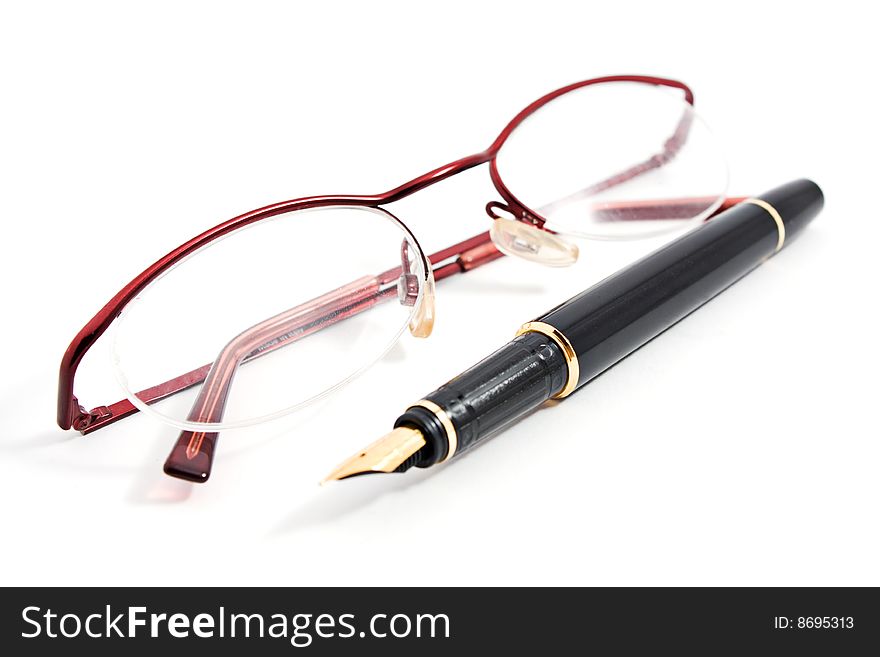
(385, 455)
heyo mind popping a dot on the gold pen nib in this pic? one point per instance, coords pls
(384, 455)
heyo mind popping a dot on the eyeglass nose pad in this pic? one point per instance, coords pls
(517, 238)
(422, 322)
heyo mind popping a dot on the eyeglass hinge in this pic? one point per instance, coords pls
(86, 419)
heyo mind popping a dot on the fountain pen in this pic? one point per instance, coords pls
(576, 341)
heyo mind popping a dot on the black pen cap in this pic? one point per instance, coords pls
(797, 202)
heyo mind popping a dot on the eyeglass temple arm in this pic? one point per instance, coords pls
(660, 209)
(193, 452)
(671, 147)
(458, 258)
(654, 209)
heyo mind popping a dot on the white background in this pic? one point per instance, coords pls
(741, 447)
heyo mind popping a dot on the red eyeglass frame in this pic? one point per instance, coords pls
(468, 254)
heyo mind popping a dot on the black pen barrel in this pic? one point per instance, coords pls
(576, 341)
(618, 315)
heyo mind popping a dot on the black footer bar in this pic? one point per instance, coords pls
(439, 620)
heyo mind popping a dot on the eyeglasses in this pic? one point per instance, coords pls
(610, 158)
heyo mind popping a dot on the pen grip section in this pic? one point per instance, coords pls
(501, 388)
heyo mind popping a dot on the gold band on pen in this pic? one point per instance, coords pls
(571, 359)
(444, 419)
(780, 226)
